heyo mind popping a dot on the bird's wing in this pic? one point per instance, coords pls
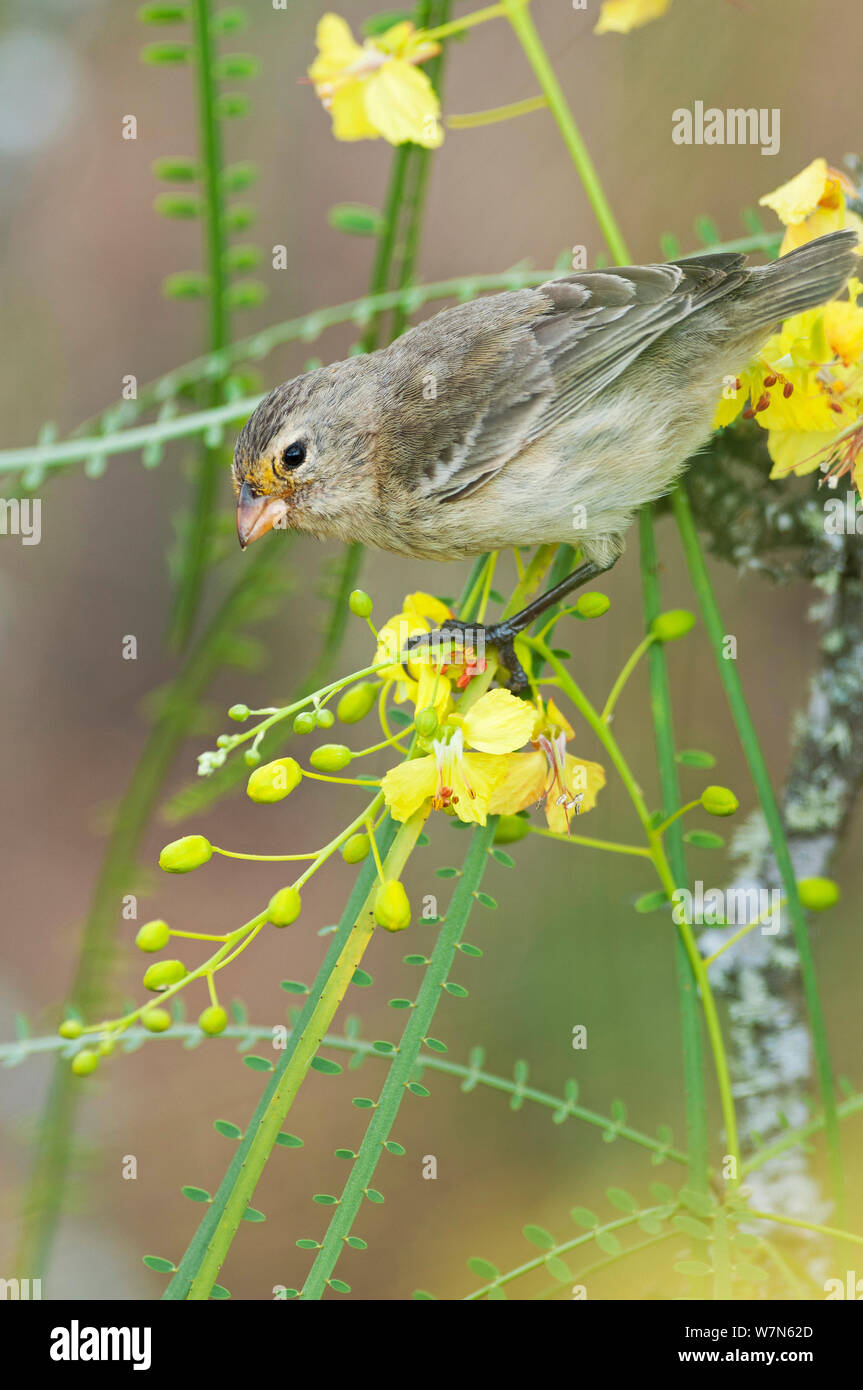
(510, 368)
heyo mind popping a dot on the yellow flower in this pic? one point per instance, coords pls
(467, 762)
(375, 88)
(565, 785)
(619, 16)
(813, 203)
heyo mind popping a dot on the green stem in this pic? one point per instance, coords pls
(627, 671)
(730, 678)
(833, 1231)
(403, 1064)
(525, 30)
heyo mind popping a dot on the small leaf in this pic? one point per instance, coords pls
(324, 1065)
(361, 978)
(181, 205)
(325, 1199)
(229, 1130)
(237, 65)
(196, 1194)
(558, 1269)
(435, 1045)
(218, 1291)
(339, 1285)
(695, 757)
(252, 1214)
(384, 1046)
(486, 899)
(232, 105)
(650, 902)
(246, 294)
(503, 858)
(356, 1243)
(620, 1198)
(699, 1230)
(416, 960)
(538, 1235)
(294, 987)
(185, 285)
(357, 219)
(584, 1217)
(400, 1003)
(177, 170)
(363, 1103)
(651, 1225)
(374, 1196)
(289, 1141)
(458, 991)
(695, 1269)
(483, 1269)
(608, 1242)
(699, 1202)
(662, 1192)
(160, 1265)
(446, 872)
(344, 1153)
(469, 950)
(163, 14)
(306, 1244)
(416, 1089)
(165, 54)
(704, 839)
(257, 1063)
(239, 176)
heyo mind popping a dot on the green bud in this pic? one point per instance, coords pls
(153, 936)
(85, 1062)
(213, 1020)
(181, 856)
(356, 702)
(719, 801)
(325, 719)
(251, 757)
(818, 893)
(274, 781)
(284, 907)
(360, 604)
(156, 1020)
(667, 627)
(70, 1028)
(592, 605)
(426, 722)
(392, 909)
(509, 829)
(239, 712)
(356, 848)
(305, 722)
(106, 1047)
(163, 973)
(330, 757)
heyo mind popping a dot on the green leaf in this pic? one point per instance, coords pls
(363, 1103)
(695, 757)
(416, 960)
(324, 1199)
(483, 1269)
(231, 105)
(361, 978)
(237, 65)
(229, 1130)
(163, 14)
(240, 216)
(486, 899)
(339, 1285)
(558, 1269)
(239, 176)
(671, 248)
(400, 1003)
(699, 1230)
(662, 1192)
(356, 1243)
(185, 284)
(378, 24)
(166, 54)
(704, 839)
(608, 1242)
(252, 1214)
(218, 1291)
(323, 1064)
(582, 1216)
(458, 991)
(695, 1269)
(417, 1090)
(257, 1063)
(401, 720)
(228, 21)
(177, 170)
(357, 219)
(306, 1244)
(620, 1198)
(344, 1153)
(707, 231)
(503, 858)
(384, 1046)
(294, 987)
(393, 1148)
(650, 902)
(651, 1225)
(374, 1196)
(699, 1202)
(160, 1265)
(243, 256)
(469, 950)
(246, 294)
(289, 1141)
(435, 1045)
(178, 205)
(447, 872)
(538, 1235)
(196, 1194)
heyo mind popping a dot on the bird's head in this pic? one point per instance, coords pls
(303, 460)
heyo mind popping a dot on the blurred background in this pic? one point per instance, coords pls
(83, 259)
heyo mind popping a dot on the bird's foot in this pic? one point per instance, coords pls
(464, 644)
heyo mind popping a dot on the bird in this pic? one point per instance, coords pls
(529, 417)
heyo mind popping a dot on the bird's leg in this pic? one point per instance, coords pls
(474, 637)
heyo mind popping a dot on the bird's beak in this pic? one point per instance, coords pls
(257, 515)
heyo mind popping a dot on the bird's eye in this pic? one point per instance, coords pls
(293, 455)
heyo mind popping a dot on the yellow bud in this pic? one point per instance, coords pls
(356, 848)
(356, 702)
(360, 604)
(392, 908)
(719, 801)
(667, 627)
(818, 893)
(153, 936)
(592, 605)
(85, 1062)
(163, 973)
(284, 907)
(213, 1020)
(330, 757)
(156, 1020)
(70, 1028)
(274, 781)
(509, 829)
(181, 856)
(427, 722)
(106, 1047)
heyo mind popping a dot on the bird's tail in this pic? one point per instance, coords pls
(808, 276)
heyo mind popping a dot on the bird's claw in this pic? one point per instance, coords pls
(458, 643)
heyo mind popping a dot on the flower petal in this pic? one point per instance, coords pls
(619, 16)
(499, 723)
(348, 110)
(583, 780)
(402, 105)
(408, 785)
(795, 200)
(522, 785)
(474, 778)
(337, 49)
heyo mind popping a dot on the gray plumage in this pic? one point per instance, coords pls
(534, 416)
